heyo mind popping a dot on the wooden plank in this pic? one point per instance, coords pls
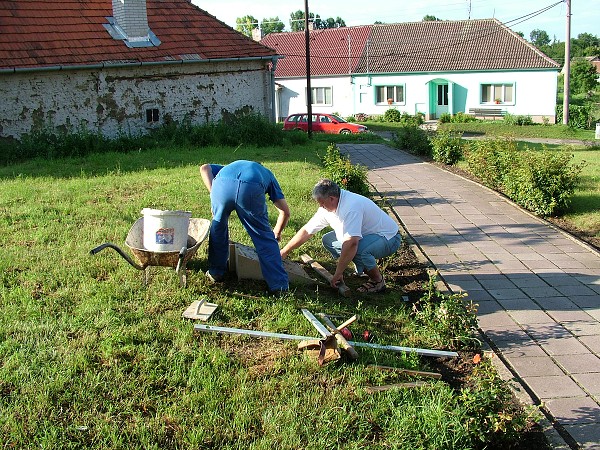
(419, 373)
(342, 288)
(387, 387)
(342, 342)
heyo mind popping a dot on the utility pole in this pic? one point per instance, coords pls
(308, 88)
(567, 65)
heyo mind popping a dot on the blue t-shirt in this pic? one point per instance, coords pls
(250, 172)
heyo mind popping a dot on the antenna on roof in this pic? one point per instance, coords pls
(469, 9)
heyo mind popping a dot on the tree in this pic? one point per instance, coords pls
(585, 44)
(539, 38)
(297, 21)
(583, 77)
(430, 18)
(271, 25)
(246, 24)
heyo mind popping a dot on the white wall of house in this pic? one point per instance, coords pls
(533, 93)
(116, 100)
(292, 98)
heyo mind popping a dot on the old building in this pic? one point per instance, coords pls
(125, 66)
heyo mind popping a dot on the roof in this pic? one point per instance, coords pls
(50, 33)
(333, 50)
(429, 46)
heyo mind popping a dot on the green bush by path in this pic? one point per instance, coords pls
(447, 147)
(542, 182)
(339, 168)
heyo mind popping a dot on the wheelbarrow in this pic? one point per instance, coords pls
(197, 233)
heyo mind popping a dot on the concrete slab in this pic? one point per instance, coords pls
(586, 435)
(589, 381)
(555, 386)
(574, 410)
(534, 366)
(578, 364)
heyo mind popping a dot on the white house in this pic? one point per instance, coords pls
(433, 67)
(125, 67)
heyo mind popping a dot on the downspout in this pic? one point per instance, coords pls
(274, 100)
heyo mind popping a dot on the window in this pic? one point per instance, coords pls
(321, 96)
(152, 115)
(389, 94)
(497, 93)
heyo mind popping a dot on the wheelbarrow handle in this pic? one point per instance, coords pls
(119, 251)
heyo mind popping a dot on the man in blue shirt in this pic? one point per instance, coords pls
(241, 187)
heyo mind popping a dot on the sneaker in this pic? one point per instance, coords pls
(371, 287)
(214, 278)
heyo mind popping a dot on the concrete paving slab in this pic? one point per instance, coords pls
(589, 381)
(574, 410)
(577, 364)
(591, 342)
(563, 346)
(586, 435)
(555, 386)
(534, 366)
(583, 327)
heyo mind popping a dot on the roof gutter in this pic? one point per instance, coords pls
(108, 65)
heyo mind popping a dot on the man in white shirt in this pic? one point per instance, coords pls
(362, 232)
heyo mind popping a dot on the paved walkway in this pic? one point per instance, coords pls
(538, 289)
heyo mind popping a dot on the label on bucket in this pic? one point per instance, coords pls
(165, 235)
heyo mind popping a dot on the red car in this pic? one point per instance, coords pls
(322, 123)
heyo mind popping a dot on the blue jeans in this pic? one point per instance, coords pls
(248, 201)
(370, 248)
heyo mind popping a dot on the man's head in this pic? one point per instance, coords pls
(327, 194)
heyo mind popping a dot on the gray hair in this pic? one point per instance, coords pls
(325, 188)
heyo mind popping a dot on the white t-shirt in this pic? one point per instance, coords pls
(355, 216)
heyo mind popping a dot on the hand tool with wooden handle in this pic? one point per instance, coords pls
(341, 286)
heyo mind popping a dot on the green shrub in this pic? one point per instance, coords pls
(511, 119)
(413, 139)
(445, 118)
(451, 321)
(492, 417)
(542, 182)
(338, 168)
(447, 147)
(392, 115)
(582, 117)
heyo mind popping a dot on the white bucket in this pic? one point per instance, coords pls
(165, 231)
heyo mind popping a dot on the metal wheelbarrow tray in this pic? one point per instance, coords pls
(197, 233)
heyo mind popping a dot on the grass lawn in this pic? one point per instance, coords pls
(93, 358)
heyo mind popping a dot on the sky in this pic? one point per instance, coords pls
(519, 15)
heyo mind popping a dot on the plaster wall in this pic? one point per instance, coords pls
(115, 100)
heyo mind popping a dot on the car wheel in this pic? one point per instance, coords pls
(345, 131)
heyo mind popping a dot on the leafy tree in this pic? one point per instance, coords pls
(585, 44)
(271, 25)
(539, 38)
(330, 22)
(584, 78)
(430, 18)
(520, 33)
(246, 24)
(297, 21)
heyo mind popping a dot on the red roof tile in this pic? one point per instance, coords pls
(332, 51)
(50, 33)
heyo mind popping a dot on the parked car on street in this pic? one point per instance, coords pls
(322, 123)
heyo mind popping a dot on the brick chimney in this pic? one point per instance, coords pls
(130, 24)
(132, 17)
